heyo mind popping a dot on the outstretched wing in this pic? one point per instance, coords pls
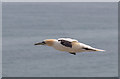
(68, 39)
(89, 48)
(66, 43)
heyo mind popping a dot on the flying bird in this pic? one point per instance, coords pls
(68, 45)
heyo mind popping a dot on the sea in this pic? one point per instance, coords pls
(26, 23)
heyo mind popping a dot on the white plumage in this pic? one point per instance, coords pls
(68, 39)
(69, 45)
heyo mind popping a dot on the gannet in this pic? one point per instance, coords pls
(68, 45)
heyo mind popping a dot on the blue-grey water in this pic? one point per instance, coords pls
(94, 24)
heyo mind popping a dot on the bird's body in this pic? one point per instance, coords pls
(68, 45)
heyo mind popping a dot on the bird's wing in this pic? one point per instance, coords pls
(65, 43)
(68, 39)
(87, 47)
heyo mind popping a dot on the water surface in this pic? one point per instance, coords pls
(24, 24)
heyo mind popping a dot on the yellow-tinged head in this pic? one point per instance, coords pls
(48, 42)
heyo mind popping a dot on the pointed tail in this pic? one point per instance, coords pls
(98, 50)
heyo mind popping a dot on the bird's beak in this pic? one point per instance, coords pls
(41, 43)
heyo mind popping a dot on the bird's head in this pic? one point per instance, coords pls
(48, 42)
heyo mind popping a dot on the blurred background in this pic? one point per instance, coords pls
(92, 23)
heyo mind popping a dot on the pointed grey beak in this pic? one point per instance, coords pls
(41, 43)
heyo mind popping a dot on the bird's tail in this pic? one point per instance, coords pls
(98, 49)
(93, 49)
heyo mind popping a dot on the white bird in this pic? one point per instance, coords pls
(69, 45)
